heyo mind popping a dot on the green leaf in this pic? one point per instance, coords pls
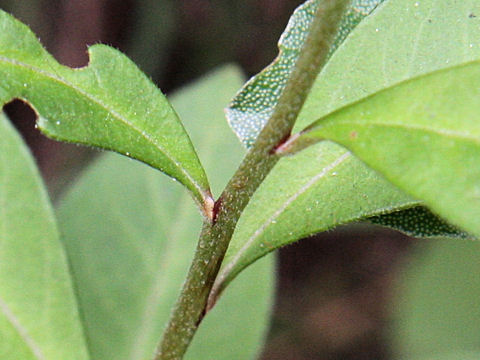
(457, 355)
(253, 105)
(436, 310)
(131, 238)
(296, 201)
(423, 135)
(110, 104)
(399, 40)
(402, 39)
(38, 311)
(418, 222)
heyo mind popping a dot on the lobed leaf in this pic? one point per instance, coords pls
(401, 39)
(39, 318)
(423, 135)
(110, 104)
(253, 105)
(131, 237)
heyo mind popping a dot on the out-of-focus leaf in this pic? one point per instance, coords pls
(436, 305)
(254, 104)
(148, 42)
(423, 135)
(131, 237)
(110, 104)
(457, 355)
(38, 311)
(418, 222)
(399, 40)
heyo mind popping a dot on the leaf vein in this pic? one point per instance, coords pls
(111, 111)
(224, 274)
(37, 352)
(443, 132)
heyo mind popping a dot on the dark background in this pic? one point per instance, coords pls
(334, 289)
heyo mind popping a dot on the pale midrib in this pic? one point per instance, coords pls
(443, 132)
(158, 284)
(36, 351)
(111, 111)
(161, 278)
(232, 264)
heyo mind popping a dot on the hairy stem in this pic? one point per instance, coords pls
(195, 298)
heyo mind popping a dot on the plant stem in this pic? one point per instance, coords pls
(213, 243)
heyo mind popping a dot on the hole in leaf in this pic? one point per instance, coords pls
(23, 118)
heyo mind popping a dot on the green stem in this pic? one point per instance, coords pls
(215, 237)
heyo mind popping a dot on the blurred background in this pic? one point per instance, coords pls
(337, 292)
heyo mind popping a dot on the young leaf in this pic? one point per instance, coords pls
(131, 237)
(38, 313)
(435, 309)
(253, 105)
(110, 104)
(423, 135)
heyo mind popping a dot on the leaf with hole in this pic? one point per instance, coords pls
(129, 235)
(110, 104)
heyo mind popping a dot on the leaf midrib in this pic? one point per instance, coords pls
(114, 113)
(5, 310)
(21, 331)
(260, 230)
(441, 132)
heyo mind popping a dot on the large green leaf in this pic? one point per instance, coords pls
(402, 39)
(109, 104)
(131, 237)
(399, 40)
(254, 104)
(436, 308)
(38, 312)
(423, 135)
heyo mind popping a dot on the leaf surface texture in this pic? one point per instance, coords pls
(110, 104)
(131, 235)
